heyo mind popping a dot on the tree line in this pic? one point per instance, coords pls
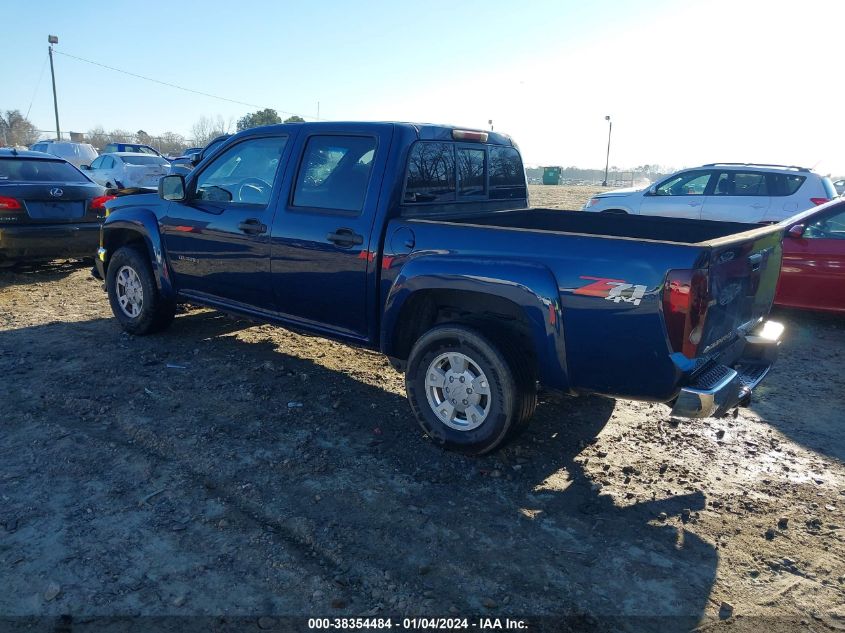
(18, 131)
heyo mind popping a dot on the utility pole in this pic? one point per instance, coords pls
(490, 123)
(54, 39)
(607, 162)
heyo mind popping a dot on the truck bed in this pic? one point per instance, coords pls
(653, 228)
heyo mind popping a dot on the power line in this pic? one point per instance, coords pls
(170, 85)
(37, 85)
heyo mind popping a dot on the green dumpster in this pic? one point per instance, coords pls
(551, 175)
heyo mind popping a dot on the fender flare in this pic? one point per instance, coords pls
(145, 223)
(531, 287)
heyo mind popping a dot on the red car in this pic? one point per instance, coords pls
(812, 275)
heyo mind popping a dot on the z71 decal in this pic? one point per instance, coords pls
(615, 290)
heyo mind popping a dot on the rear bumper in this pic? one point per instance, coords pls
(48, 241)
(721, 387)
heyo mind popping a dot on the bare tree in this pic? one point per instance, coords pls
(97, 137)
(121, 136)
(206, 128)
(171, 143)
(15, 129)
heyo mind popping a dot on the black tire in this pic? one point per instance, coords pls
(155, 312)
(507, 403)
(526, 382)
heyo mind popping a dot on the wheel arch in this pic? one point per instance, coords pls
(511, 298)
(138, 226)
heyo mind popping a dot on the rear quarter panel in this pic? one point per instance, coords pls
(604, 293)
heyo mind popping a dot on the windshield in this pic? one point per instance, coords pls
(29, 170)
(143, 159)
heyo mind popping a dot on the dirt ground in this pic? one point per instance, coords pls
(570, 197)
(229, 468)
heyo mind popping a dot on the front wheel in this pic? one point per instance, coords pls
(463, 390)
(133, 295)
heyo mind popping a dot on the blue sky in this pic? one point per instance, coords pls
(685, 83)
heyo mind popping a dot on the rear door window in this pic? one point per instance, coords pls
(737, 183)
(431, 173)
(335, 172)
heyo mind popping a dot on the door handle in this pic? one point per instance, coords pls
(252, 226)
(757, 206)
(345, 237)
(694, 204)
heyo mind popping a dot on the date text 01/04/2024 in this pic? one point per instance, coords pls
(418, 624)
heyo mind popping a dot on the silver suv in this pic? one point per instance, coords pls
(78, 154)
(733, 192)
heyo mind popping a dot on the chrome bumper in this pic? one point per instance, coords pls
(721, 388)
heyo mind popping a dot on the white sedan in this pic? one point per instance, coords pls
(127, 169)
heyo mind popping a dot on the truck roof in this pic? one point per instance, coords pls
(422, 131)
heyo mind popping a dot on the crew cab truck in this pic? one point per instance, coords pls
(417, 240)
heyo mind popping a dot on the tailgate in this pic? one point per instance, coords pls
(742, 278)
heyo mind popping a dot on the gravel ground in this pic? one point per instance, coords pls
(229, 468)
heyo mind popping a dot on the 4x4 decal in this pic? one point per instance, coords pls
(615, 290)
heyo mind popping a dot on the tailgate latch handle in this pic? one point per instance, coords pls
(755, 260)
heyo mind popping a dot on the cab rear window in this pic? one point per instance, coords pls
(37, 170)
(453, 172)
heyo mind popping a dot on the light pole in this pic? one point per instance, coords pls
(54, 39)
(607, 161)
(490, 123)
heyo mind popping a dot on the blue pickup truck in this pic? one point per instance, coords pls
(417, 240)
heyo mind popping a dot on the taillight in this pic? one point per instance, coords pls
(99, 202)
(818, 201)
(9, 204)
(685, 301)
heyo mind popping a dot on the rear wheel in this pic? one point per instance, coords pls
(135, 300)
(463, 389)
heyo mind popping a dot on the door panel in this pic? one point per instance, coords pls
(813, 271)
(218, 241)
(322, 242)
(738, 196)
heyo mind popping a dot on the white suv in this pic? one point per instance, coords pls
(733, 192)
(78, 154)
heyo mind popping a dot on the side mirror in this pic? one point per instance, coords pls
(652, 191)
(85, 167)
(196, 158)
(172, 188)
(796, 231)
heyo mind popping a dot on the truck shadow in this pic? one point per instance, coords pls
(43, 272)
(814, 342)
(331, 467)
